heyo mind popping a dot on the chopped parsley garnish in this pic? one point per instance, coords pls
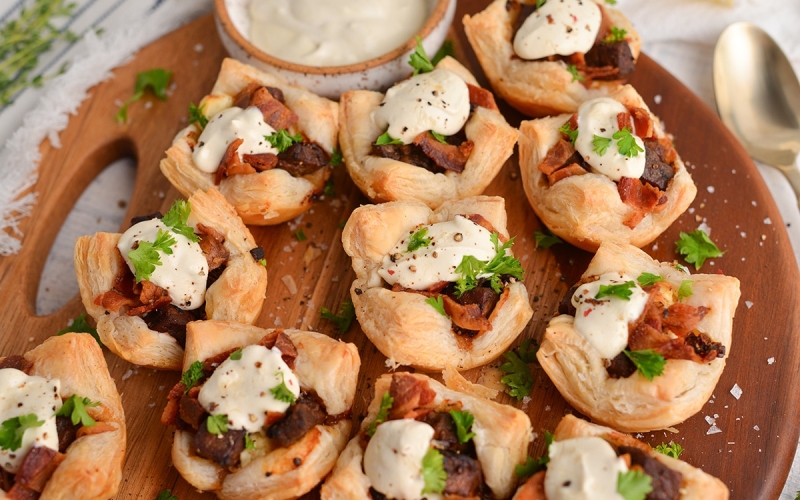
(501, 265)
(336, 158)
(328, 189)
(263, 262)
(433, 472)
(248, 443)
(176, 219)
(12, 430)
(649, 363)
(567, 130)
(672, 449)
(681, 267)
(385, 139)
(217, 424)
(546, 240)
(611, 2)
(437, 303)
(80, 325)
(600, 144)
(383, 413)
(281, 392)
(648, 279)
(539, 3)
(418, 240)
(344, 319)
(634, 485)
(697, 247)
(534, 465)
(439, 137)
(282, 139)
(464, 421)
(197, 116)
(236, 355)
(166, 495)
(146, 256)
(576, 76)
(300, 235)
(192, 375)
(616, 35)
(685, 290)
(626, 143)
(445, 50)
(75, 408)
(621, 291)
(419, 59)
(519, 379)
(157, 80)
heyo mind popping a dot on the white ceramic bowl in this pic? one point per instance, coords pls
(330, 81)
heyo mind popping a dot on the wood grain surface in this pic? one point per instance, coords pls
(753, 452)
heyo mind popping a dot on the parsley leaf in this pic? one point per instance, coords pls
(75, 408)
(12, 430)
(500, 265)
(282, 139)
(464, 421)
(611, 2)
(236, 355)
(648, 279)
(385, 139)
(281, 392)
(145, 257)
(616, 35)
(156, 80)
(433, 472)
(649, 363)
(546, 240)
(672, 449)
(386, 404)
(80, 325)
(437, 303)
(519, 379)
(469, 268)
(344, 319)
(263, 262)
(418, 240)
(600, 144)
(626, 143)
(681, 267)
(419, 59)
(166, 495)
(534, 465)
(196, 116)
(248, 443)
(573, 70)
(685, 290)
(192, 375)
(634, 485)
(176, 219)
(439, 137)
(539, 3)
(217, 424)
(621, 291)
(567, 130)
(445, 50)
(328, 189)
(300, 235)
(336, 158)
(697, 247)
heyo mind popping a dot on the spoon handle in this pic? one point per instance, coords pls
(792, 174)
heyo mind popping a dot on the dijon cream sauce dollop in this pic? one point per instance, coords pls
(584, 468)
(559, 27)
(227, 126)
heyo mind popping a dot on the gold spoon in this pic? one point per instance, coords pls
(758, 97)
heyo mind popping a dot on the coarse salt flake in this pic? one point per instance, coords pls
(736, 391)
(767, 221)
(713, 430)
(710, 189)
(290, 284)
(748, 303)
(657, 98)
(756, 428)
(770, 361)
(704, 227)
(710, 420)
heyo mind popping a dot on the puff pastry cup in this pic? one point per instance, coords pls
(92, 464)
(385, 179)
(237, 294)
(540, 87)
(271, 196)
(587, 209)
(502, 434)
(401, 324)
(325, 367)
(695, 484)
(636, 404)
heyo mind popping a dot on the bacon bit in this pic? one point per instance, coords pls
(623, 120)
(152, 297)
(391, 272)
(446, 156)
(587, 312)
(643, 198)
(550, 19)
(231, 164)
(409, 393)
(642, 123)
(275, 113)
(17, 362)
(484, 223)
(212, 245)
(481, 97)
(556, 157)
(568, 171)
(245, 96)
(681, 319)
(37, 467)
(466, 316)
(261, 161)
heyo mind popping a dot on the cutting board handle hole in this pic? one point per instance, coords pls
(110, 194)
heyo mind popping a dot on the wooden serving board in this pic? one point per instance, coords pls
(753, 452)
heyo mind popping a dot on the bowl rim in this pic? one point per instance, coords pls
(221, 10)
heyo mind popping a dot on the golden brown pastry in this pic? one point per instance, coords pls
(261, 188)
(539, 87)
(266, 453)
(487, 136)
(149, 331)
(499, 444)
(420, 318)
(586, 207)
(83, 459)
(675, 478)
(685, 319)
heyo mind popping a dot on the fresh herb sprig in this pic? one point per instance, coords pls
(500, 265)
(600, 144)
(463, 421)
(626, 143)
(344, 319)
(685, 290)
(616, 35)
(146, 256)
(192, 375)
(419, 58)
(176, 219)
(156, 80)
(649, 363)
(80, 325)
(439, 137)
(281, 392)
(570, 132)
(576, 76)
(418, 240)
(75, 408)
(383, 413)
(649, 279)
(437, 302)
(166, 495)
(385, 139)
(282, 139)
(697, 247)
(546, 239)
(12, 430)
(519, 379)
(634, 485)
(534, 465)
(672, 449)
(217, 424)
(433, 472)
(621, 291)
(197, 116)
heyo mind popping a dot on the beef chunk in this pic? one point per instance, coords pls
(276, 93)
(300, 418)
(19, 492)
(466, 317)
(444, 429)
(666, 482)
(621, 366)
(257, 253)
(484, 297)
(464, 476)
(303, 158)
(17, 362)
(617, 55)
(261, 161)
(172, 320)
(445, 156)
(409, 393)
(705, 347)
(213, 276)
(223, 449)
(142, 218)
(657, 172)
(67, 432)
(191, 411)
(407, 153)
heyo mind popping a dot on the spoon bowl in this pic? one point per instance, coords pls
(758, 97)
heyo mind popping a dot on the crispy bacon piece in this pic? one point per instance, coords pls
(245, 96)
(466, 316)
(275, 113)
(287, 348)
(231, 164)
(556, 158)
(19, 492)
(191, 411)
(37, 467)
(261, 161)
(533, 489)
(484, 223)
(446, 156)
(17, 362)
(643, 198)
(568, 171)
(212, 245)
(97, 428)
(681, 319)
(409, 394)
(481, 97)
(151, 298)
(624, 120)
(642, 123)
(171, 411)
